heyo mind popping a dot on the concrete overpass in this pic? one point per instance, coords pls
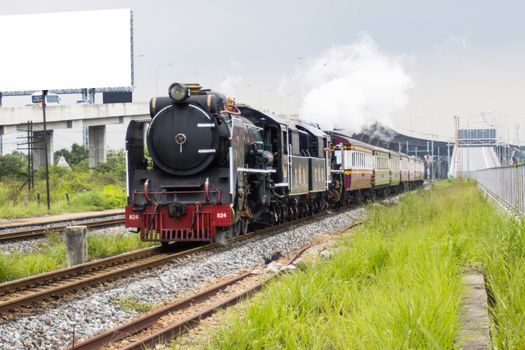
(93, 116)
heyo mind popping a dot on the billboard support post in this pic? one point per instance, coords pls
(46, 162)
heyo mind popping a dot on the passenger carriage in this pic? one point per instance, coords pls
(381, 173)
(395, 175)
(354, 161)
(404, 171)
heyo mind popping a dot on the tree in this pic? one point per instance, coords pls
(77, 154)
(13, 165)
(61, 153)
(115, 164)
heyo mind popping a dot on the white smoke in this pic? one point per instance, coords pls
(231, 85)
(353, 86)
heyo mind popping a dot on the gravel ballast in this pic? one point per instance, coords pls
(86, 314)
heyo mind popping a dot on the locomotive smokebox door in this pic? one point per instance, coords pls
(184, 140)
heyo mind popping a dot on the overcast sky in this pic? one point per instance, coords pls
(438, 58)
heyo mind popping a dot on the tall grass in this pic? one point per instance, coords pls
(396, 283)
(52, 255)
(499, 242)
(101, 246)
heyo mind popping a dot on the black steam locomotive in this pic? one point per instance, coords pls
(218, 168)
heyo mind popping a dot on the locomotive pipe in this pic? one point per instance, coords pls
(146, 191)
(207, 190)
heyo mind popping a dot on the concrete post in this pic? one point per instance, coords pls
(39, 149)
(76, 244)
(97, 145)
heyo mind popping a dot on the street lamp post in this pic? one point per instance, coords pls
(46, 160)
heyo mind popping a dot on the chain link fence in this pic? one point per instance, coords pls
(506, 183)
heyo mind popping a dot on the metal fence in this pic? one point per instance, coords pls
(506, 183)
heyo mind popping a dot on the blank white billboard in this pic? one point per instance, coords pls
(66, 50)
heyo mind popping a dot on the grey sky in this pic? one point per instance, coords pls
(465, 57)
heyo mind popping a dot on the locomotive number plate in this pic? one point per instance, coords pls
(133, 219)
(223, 215)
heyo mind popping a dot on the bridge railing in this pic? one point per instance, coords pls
(506, 183)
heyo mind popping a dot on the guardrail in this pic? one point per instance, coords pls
(506, 183)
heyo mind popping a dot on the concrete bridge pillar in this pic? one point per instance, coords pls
(39, 153)
(97, 145)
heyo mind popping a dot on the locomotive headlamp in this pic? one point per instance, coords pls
(178, 92)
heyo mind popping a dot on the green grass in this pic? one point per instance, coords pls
(102, 246)
(132, 304)
(52, 255)
(396, 283)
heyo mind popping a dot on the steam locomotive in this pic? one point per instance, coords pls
(214, 168)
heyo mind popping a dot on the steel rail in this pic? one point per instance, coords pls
(137, 325)
(42, 231)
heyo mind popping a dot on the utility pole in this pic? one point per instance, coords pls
(46, 162)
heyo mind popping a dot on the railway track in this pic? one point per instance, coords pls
(51, 285)
(180, 327)
(42, 231)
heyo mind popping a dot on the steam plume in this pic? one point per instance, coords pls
(353, 86)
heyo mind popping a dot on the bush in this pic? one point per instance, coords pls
(88, 189)
(13, 166)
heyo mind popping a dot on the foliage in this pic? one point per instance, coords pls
(396, 283)
(115, 164)
(13, 166)
(88, 189)
(77, 154)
